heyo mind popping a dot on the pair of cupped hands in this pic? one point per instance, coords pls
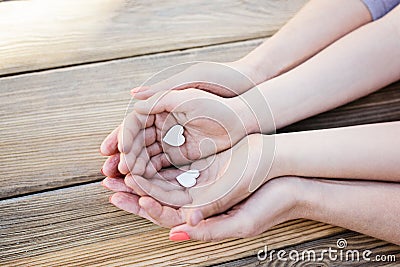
(235, 195)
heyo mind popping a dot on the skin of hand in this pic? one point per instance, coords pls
(246, 219)
(210, 126)
(222, 79)
(338, 202)
(225, 179)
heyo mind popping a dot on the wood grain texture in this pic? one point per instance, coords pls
(383, 253)
(43, 34)
(52, 122)
(77, 227)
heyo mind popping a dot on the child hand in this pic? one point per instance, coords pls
(211, 124)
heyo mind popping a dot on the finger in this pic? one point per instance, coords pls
(154, 149)
(126, 162)
(170, 174)
(178, 81)
(155, 164)
(133, 183)
(141, 162)
(129, 202)
(110, 144)
(144, 138)
(158, 103)
(176, 197)
(110, 166)
(130, 128)
(217, 228)
(164, 215)
(116, 185)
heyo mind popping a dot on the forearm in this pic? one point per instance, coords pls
(367, 207)
(360, 63)
(358, 152)
(318, 24)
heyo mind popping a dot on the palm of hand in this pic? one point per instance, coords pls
(206, 130)
(223, 182)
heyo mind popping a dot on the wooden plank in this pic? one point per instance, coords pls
(388, 254)
(77, 227)
(42, 34)
(53, 122)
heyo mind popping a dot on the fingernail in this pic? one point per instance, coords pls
(101, 170)
(179, 236)
(196, 217)
(139, 89)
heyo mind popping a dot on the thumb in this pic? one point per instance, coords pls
(182, 80)
(160, 102)
(231, 225)
(194, 216)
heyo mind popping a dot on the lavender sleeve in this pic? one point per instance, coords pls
(379, 8)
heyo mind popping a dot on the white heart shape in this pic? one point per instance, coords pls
(195, 173)
(188, 179)
(174, 137)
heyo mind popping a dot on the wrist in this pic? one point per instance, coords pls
(294, 191)
(262, 64)
(246, 118)
(254, 71)
(253, 111)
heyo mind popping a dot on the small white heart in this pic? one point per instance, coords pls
(174, 137)
(188, 179)
(195, 173)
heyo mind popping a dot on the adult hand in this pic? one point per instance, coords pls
(225, 179)
(262, 210)
(222, 79)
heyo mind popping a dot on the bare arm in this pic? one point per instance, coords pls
(318, 24)
(369, 152)
(315, 26)
(356, 65)
(367, 207)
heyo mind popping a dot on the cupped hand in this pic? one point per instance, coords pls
(211, 124)
(222, 79)
(277, 201)
(225, 179)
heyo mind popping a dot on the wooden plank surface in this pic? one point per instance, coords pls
(76, 226)
(53, 122)
(42, 34)
(383, 253)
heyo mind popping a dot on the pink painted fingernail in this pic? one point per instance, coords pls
(179, 236)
